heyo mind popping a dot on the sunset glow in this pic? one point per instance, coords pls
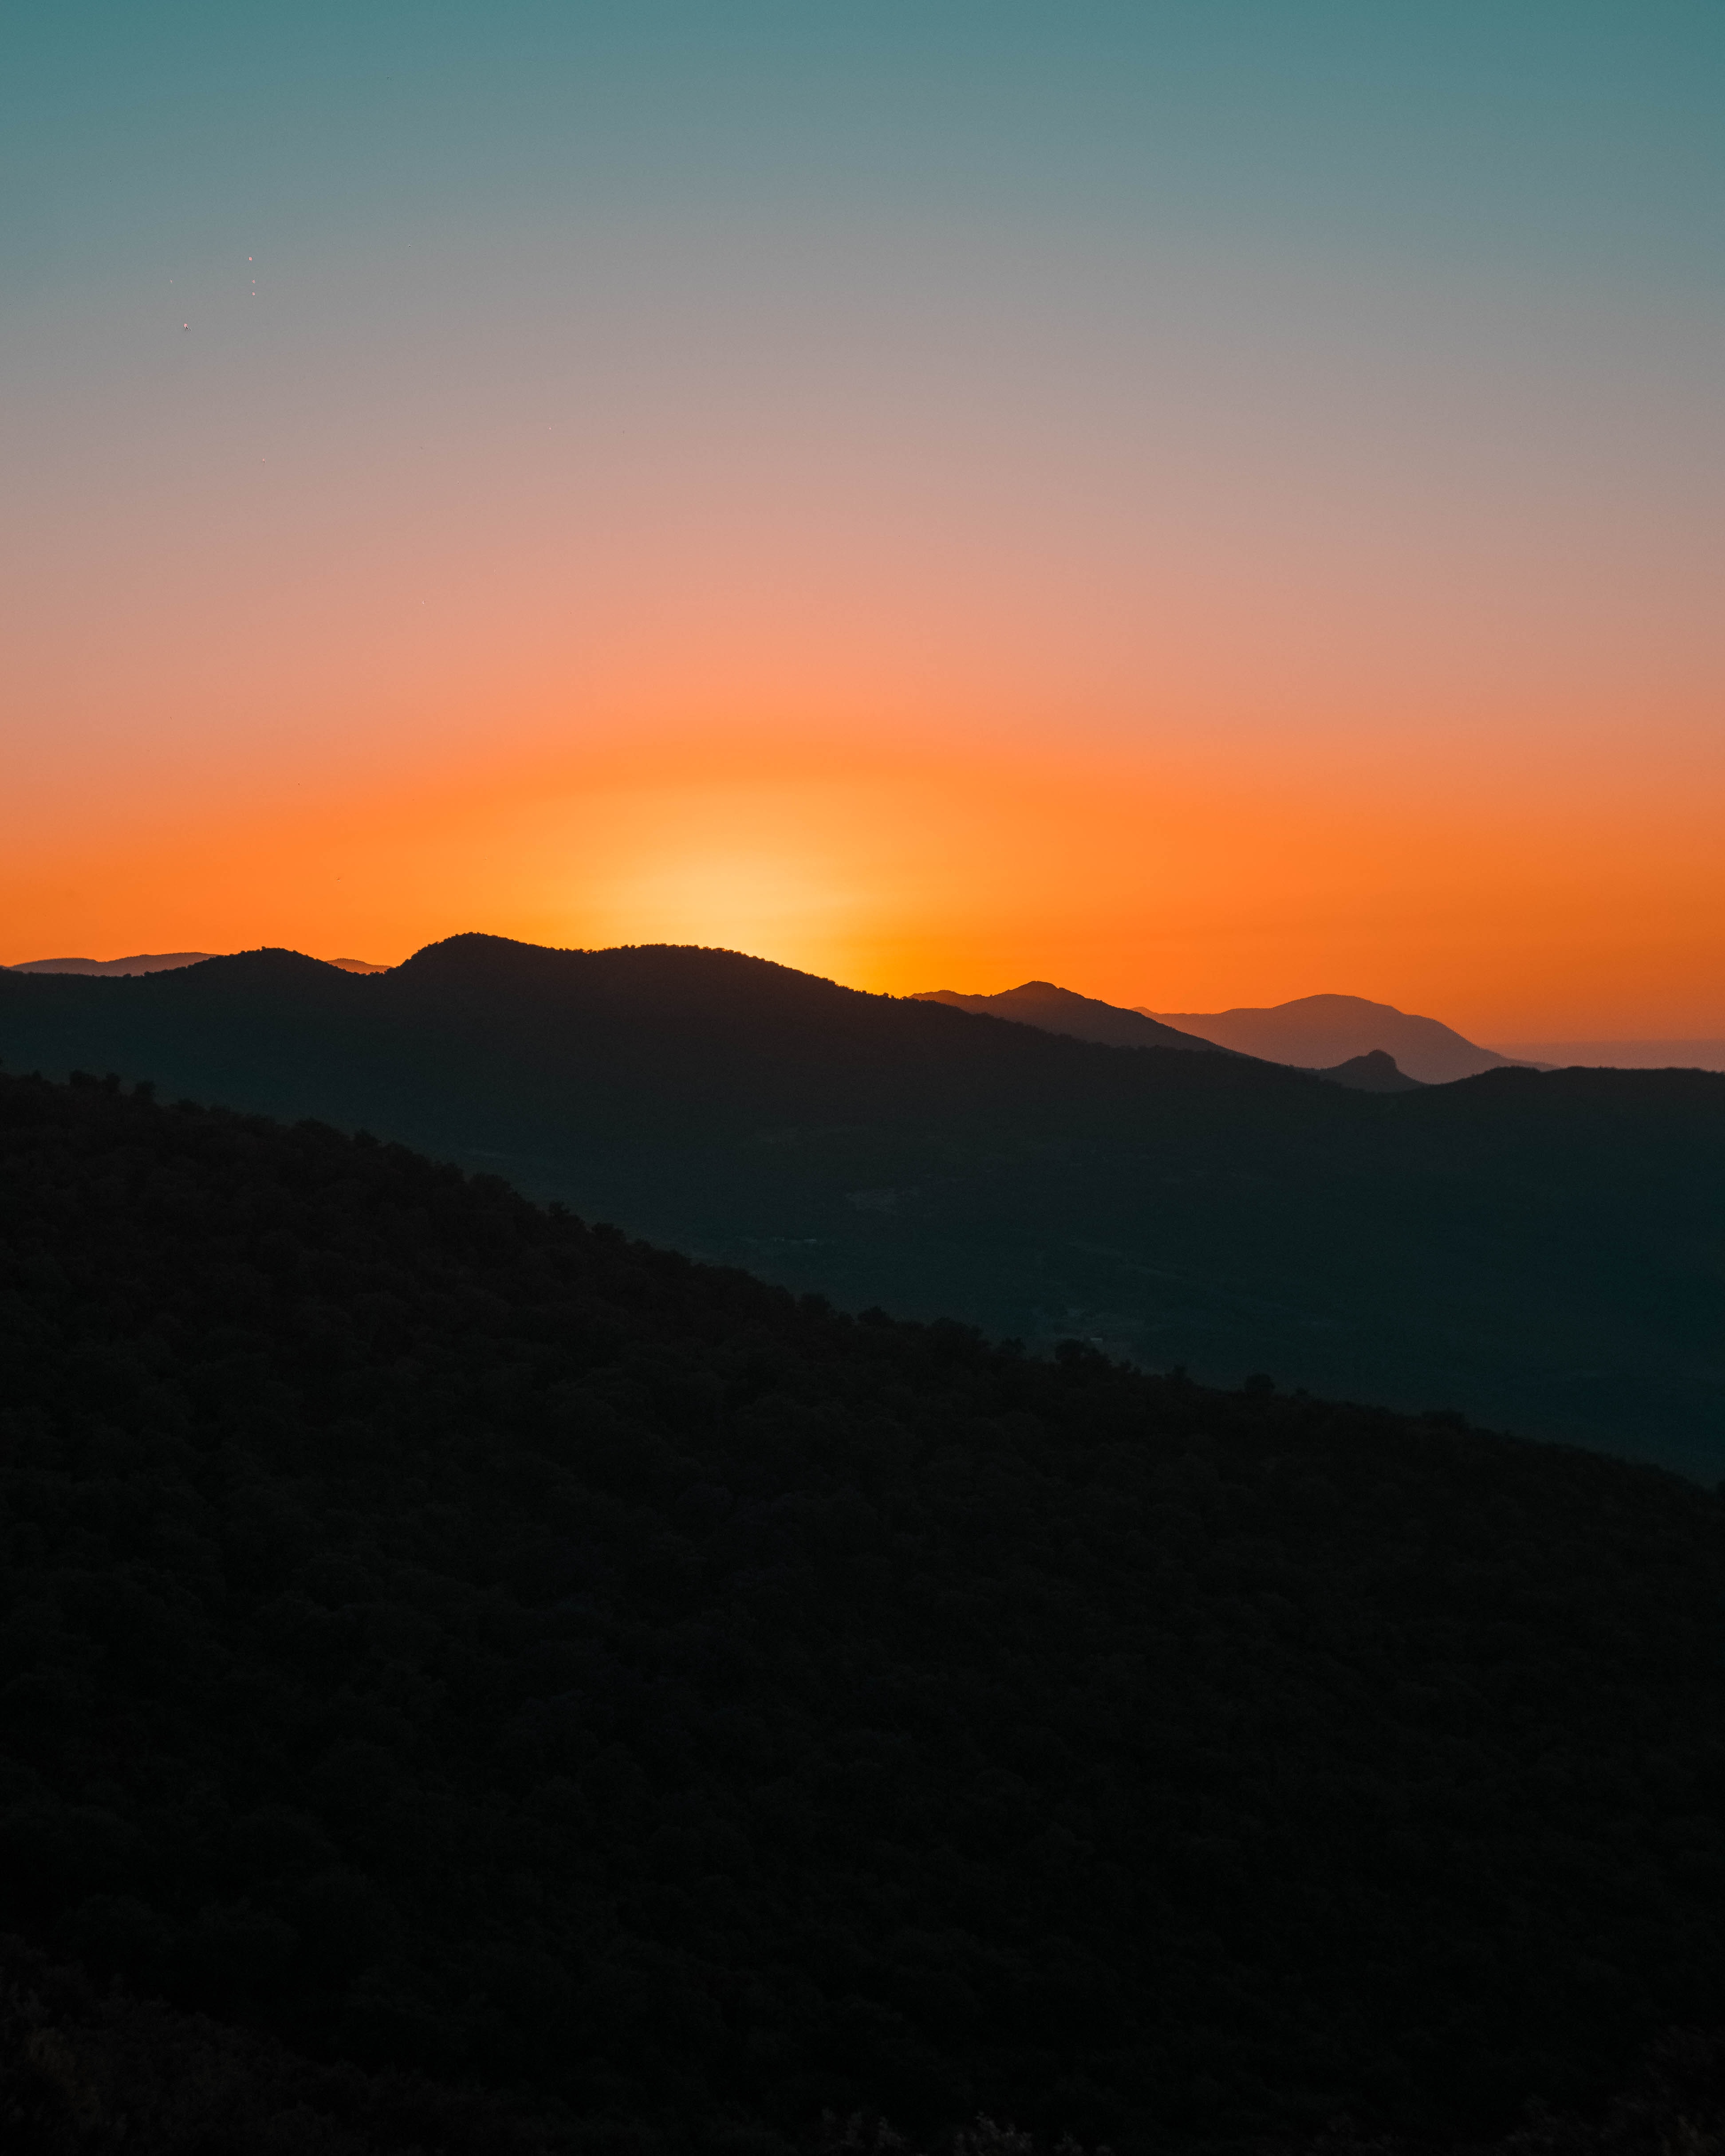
(935, 507)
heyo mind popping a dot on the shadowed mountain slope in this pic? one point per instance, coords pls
(1540, 1251)
(1319, 1032)
(441, 1636)
(1060, 1010)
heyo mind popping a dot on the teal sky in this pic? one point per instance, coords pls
(1554, 136)
(1551, 136)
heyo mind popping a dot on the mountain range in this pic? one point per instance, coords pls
(1344, 1037)
(1539, 1251)
(1059, 1010)
(1084, 1018)
(1319, 1032)
(156, 961)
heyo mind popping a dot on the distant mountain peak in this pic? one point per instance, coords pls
(1325, 1032)
(162, 962)
(1055, 1009)
(143, 962)
(1374, 1072)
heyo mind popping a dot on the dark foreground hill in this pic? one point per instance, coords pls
(446, 1638)
(1542, 1251)
(92, 2070)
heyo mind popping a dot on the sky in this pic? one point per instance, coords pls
(1203, 503)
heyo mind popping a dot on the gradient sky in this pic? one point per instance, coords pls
(1203, 503)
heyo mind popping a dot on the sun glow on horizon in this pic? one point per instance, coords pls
(1252, 528)
(764, 905)
(1142, 878)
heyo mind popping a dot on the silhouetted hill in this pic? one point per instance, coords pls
(1059, 1010)
(456, 1641)
(159, 962)
(1319, 1032)
(1376, 1073)
(146, 961)
(1540, 1251)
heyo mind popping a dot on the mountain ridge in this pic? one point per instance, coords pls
(1536, 1250)
(159, 962)
(1086, 1018)
(1376, 1071)
(1063, 1010)
(1321, 1031)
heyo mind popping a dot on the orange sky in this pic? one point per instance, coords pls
(912, 702)
(1201, 525)
(1160, 880)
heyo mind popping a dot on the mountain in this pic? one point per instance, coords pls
(1373, 1073)
(159, 962)
(461, 1644)
(1319, 1032)
(1060, 1010)
(1539, 1251)
(156, 961)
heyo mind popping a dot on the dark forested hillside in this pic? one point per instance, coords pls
(1543, 1251)
(445, 1637)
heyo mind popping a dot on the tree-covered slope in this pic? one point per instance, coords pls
(1542, 1251)
(450, 1637)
